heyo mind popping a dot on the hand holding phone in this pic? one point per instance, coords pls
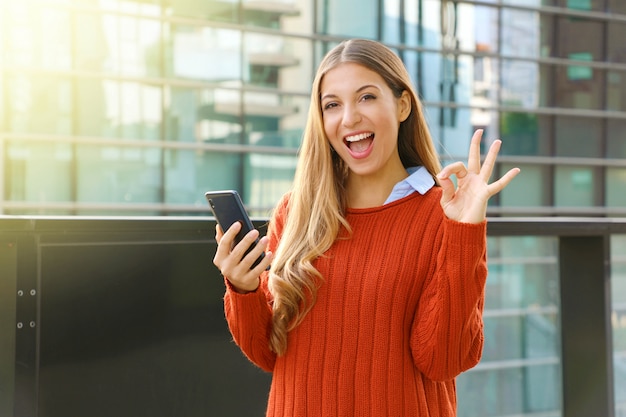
(228, 209)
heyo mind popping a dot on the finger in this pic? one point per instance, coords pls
(456, 168)
(473, 160)
(497, 186)
(490, 160)
(239, 251)
(447, 190)
(225, 243)
(218, 233)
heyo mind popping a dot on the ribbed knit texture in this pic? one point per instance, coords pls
(398, 317)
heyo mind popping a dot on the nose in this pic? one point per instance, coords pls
(351, 116)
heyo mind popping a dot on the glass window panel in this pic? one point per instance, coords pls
(574, 186)
(266, 179)
(527, 190)
(618, 319)
(92, 46)
(617, 6)
(277, 62)
(519, 372)
(108, 174)
(533, 3)
(41, 104)
(118, 109)
(125, 45)
(223, 11)
(210, 115)
(264, 115)
(478, 28)
(615, 45)
(281, 125)
(596, 5)
(22, 46)
(268, 14)
(190, 173)
(293, 16)
(362, 22)
(423, 68)
(615, 186)
(406, 25)
(97, 107)
(578, 137)
(579, 87)
(525, 134)
(510, 391)
(38, 172)
(193, 52)
(616, 138)
(616, 90)
(522, 33)
(523, 84)
(578, 36)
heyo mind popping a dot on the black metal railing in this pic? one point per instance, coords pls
(121, 316)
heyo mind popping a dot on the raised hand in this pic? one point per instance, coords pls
(468, 202)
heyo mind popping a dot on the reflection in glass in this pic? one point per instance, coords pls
(107, 174)
(616, 90)
(616, 141)
(574, 186)
(521, 84)
(38, 172)
(615, 186)
(525, 134)
(189, 174)
(519, 372)
(362, 21)
(40, 104)
(204, 53)
(222, 11)
(574, 137)
(528, 190)
(267, 179)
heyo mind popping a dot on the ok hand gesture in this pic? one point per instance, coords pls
(468, 202)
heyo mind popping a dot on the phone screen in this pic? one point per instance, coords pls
(228, 209)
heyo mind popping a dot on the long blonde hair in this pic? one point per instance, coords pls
(316, 207)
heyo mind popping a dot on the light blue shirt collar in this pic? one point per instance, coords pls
(419, 180)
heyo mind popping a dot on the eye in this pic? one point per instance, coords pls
(329, 106)
(368, 96)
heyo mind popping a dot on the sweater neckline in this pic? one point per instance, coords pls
(376, 209)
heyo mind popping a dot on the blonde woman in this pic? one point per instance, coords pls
(373, 302)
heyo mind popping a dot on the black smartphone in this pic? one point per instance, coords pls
(228, 209)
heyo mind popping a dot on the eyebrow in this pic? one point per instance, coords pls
(358, 90)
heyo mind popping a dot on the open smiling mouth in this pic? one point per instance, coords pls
(359, 143)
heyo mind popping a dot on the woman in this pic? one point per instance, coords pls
(373, 303)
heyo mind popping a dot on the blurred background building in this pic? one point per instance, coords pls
(131, 107)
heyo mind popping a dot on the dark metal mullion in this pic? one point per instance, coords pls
(586, 339)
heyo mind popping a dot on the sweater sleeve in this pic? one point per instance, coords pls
(249, 318)
(249, 315)
(447, 333)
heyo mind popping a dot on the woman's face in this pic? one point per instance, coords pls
(361, 118)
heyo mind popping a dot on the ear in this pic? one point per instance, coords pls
(404, 106)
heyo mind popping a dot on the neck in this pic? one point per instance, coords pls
(372, 190)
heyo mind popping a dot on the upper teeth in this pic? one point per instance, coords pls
(358, 137)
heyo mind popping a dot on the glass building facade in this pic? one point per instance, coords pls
(137, 107)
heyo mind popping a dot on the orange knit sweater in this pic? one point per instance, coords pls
(397, 318)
